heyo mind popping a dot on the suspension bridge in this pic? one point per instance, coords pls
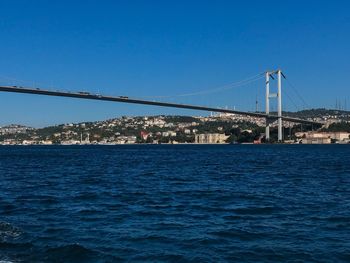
(270, 118)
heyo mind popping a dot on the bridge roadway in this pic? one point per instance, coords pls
(123, 99)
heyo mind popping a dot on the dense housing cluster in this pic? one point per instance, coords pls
(218, 128)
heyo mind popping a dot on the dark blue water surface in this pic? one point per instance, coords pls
(180, 203)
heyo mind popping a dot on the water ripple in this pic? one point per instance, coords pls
(275, 203)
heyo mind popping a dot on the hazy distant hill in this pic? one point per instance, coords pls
(318, 113)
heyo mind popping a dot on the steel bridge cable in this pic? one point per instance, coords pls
(15, 80)
(218, 89)
(203, 92)
(291, 100)
(297, 93)
(34, 84)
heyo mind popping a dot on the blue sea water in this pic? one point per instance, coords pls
(175, 203)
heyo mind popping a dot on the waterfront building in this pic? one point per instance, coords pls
(210, 138)
(323, 137)
(316, 140)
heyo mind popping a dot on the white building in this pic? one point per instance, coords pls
(322, 137)
(210, 138)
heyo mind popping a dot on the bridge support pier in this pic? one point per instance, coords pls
(267, 132)
(277, 95)
(279, 106)
(267, 107)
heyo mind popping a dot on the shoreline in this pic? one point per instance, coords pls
(149, 144)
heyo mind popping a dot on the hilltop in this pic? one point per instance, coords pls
(320, 114)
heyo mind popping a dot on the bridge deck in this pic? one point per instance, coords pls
(123, 99)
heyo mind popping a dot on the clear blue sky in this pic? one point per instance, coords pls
(152, 48)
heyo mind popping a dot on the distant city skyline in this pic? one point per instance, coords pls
(154, 49)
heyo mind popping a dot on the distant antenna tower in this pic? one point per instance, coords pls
(345, 105)
(256, 104)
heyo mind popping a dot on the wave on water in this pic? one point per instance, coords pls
(8, 232)
(73, 253)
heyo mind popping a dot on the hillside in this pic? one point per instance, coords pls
(163, 129)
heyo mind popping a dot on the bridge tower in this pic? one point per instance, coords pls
(267, 107)
(278, 95)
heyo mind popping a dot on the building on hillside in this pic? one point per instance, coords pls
(316, 140)
(14, 129)
(322, 137)
(210, 138)
(144, 135)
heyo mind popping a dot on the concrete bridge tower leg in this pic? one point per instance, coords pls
(267, 107)
(279, 105)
